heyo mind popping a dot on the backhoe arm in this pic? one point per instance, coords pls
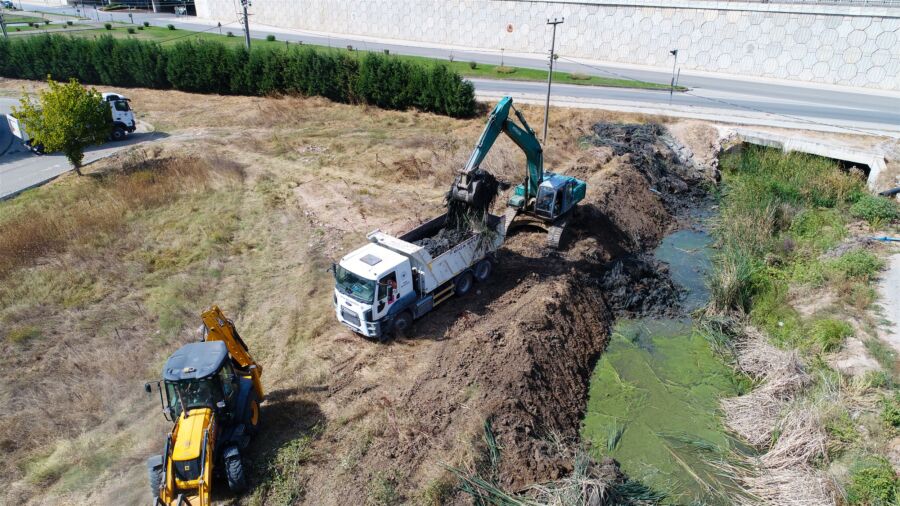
(465, 187)
(219, 328)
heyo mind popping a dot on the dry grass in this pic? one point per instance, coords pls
(90, 211)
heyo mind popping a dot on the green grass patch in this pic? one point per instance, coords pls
(22, 334)
(383, 488)
(873, 483)
(280, 484)
(882, 352)
(890, 410)
(15, 19)
(829, 334)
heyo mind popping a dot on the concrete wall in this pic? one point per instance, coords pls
(846, 45)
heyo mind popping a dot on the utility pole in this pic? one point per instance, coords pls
(245, 4)
(550, 75)
(674, 53)
(3, 26)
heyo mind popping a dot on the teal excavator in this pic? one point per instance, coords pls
(544, 199)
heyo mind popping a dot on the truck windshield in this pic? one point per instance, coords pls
(355, 286)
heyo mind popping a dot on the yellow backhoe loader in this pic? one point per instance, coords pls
(211, 390)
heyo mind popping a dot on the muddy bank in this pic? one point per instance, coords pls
(519, 352)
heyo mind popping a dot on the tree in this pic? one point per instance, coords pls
(67, 117)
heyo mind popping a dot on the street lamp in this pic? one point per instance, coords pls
(674, 53)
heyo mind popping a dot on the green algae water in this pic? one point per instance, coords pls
(653, 399)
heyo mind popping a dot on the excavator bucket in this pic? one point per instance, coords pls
(477, 189)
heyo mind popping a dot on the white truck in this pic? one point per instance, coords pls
(383, 286)
(121, 118)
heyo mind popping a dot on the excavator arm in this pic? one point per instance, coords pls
(219, 328)
(466, 186)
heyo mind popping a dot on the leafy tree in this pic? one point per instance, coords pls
(68, 117)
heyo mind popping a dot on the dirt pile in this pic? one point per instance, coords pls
(519, 353)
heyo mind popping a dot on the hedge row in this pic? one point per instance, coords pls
(211, 67)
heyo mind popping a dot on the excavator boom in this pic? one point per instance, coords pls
(219, 328)
(466, 186)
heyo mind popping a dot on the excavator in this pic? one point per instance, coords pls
(211, 390)
(544, 199)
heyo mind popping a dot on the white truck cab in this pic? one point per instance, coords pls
(383, 286)
(122, 115)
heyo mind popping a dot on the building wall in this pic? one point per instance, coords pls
(845, 45)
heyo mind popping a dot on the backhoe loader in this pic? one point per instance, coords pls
(544, 199)
(211, 390)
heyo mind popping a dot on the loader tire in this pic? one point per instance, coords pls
(154, 474)
(253, 416)
(463, 283)
(234, 471)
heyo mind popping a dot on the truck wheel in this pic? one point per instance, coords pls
(234, 471)
(483, 270)
(402, 323)
(118, 133)
(463, 284)
(154, 473)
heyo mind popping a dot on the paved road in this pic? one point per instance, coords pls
(834, 107)
(21, 169)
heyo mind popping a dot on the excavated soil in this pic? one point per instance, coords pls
(519, 352)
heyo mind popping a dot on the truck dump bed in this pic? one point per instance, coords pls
(451, 259)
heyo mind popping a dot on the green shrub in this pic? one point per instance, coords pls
(890, 410)
(130, 30)
(873, 483)
(473, 65)
(858, 265)
(205, 66)
(505, 70)
(170, 27)
(46, 22)
(230, 34)
(146, 24)
(830, 334)
(69, 23)
(141, 27)
(270, 38)
(875, 209)
(108, 26)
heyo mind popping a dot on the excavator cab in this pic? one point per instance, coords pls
(211, 390)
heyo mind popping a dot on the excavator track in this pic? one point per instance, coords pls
(509, 216)
(555, 232)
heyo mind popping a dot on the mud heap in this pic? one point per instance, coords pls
(520, 352)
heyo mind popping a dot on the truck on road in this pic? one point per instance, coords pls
(121, 119)
(383, 286)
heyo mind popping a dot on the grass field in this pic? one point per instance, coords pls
(464, 68)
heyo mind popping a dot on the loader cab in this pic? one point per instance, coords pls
(555, 196)
(197, 376)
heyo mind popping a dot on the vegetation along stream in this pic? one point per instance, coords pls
(653, 400)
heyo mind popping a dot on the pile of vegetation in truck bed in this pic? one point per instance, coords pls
(464, 219)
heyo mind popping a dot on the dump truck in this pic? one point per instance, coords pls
(121, 120)
(382, 287)
(211, 390)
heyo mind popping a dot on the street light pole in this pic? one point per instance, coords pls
(246, 3)
(674, 53)
(3, 26)
(550, 75)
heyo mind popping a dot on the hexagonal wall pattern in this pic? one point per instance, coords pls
(843, 45)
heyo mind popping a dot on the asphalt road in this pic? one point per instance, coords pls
(843, 107)
(21, 169)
